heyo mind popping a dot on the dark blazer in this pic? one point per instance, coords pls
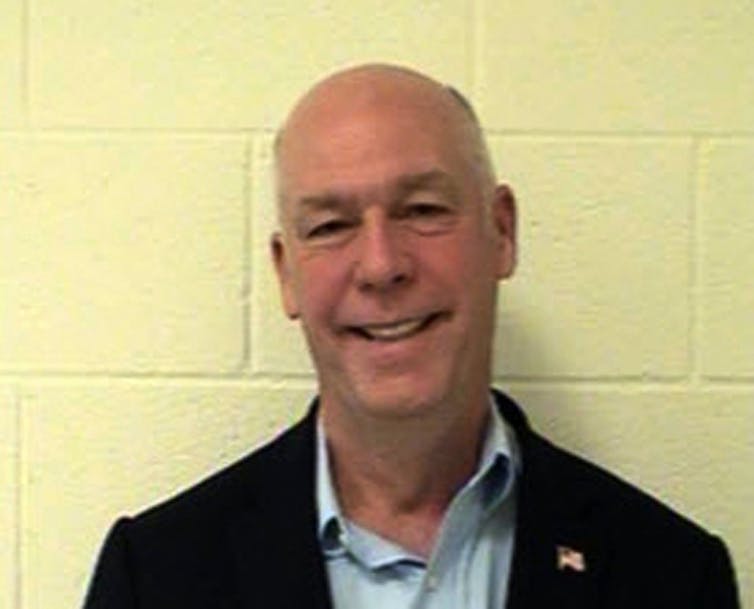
(246, 538)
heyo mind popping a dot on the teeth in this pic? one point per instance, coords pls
(393, 331)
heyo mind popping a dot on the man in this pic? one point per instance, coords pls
(409, 484)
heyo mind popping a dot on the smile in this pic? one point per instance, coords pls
(395, 330)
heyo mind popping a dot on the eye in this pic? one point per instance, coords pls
(428, 217)
(327, 229)
(425, 210)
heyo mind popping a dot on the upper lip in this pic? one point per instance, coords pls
(379, 325)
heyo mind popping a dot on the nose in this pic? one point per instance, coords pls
(383, 260)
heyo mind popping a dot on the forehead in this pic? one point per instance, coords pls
(377, 159)
(355, 142)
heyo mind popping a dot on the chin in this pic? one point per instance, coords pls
(396, 399)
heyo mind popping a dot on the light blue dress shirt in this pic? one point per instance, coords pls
(470, 563)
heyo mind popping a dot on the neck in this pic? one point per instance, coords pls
(396, 476)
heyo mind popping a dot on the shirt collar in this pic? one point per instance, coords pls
(499, 446)
(331, 527)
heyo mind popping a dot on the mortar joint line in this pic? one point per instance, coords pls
(236, 376)
(137, 131)
(18, 501)
(643, 134)
(246, 264)
(473, 49)
(694, 264)
(25, 76)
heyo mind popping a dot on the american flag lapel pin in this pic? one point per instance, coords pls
(570, 559)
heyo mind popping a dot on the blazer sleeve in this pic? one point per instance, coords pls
(719, 589)
(111, 586)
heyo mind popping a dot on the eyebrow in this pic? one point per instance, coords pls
(311, 205)
(323, 201)
(434, 178)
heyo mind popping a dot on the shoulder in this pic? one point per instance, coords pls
(639, 547)
(572, 484)
(184, 551)
(646, 550)
(605, 495)
(268, 474)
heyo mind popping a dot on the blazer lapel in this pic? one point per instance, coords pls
(559, 554)
(277, 556)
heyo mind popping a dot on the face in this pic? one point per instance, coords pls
(391, 250)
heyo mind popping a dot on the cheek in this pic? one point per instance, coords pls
(469, 272)
(461, 261)
(318, 284)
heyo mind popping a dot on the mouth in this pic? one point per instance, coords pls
(394, 331)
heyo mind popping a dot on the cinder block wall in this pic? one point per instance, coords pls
(141, 345)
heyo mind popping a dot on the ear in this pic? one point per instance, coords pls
(504, 223)
(285, 281)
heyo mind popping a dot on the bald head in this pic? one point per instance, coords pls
(377, 94)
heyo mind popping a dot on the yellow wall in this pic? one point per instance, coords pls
(141, 344)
